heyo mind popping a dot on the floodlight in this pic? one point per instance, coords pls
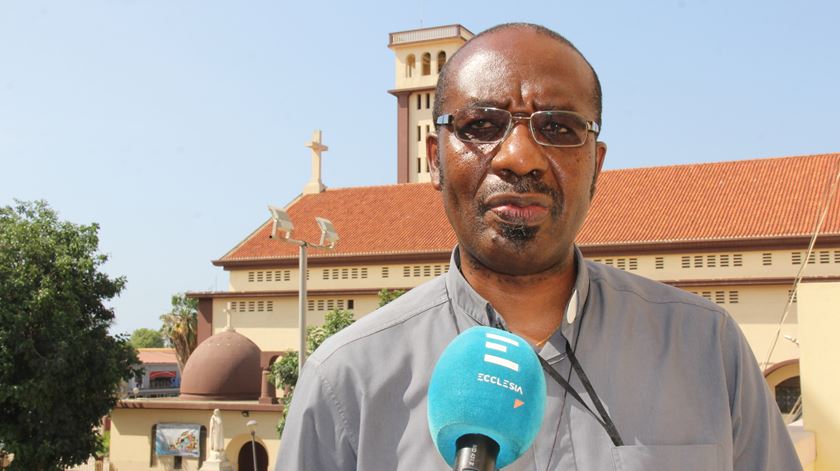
(251, 424)
(280, 221)
(329, 236)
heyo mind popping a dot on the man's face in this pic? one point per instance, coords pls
(516, 206)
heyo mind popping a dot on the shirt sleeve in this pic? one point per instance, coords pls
(315, 436)
(760, 439)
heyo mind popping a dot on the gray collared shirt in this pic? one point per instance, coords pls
(673, 370)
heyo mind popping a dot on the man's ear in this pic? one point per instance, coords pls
(432, 159)
(600, 155)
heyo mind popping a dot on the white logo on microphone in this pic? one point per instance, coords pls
(500, 347)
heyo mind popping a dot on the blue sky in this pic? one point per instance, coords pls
(174, 123)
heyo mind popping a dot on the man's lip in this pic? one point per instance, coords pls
(514, 208)
(521, 200)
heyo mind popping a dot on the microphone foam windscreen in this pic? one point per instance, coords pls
(489, 382)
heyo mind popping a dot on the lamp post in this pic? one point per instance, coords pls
(280, 221)
(252, 426)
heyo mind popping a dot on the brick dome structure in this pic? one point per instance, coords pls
(226, 366)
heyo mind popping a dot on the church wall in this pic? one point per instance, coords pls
(131, 440)
(757, 310)
(276, 328)
(819, 325)
(337, 277)
(732, 279)
(726, 264)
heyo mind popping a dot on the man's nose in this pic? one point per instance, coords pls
(519, 154)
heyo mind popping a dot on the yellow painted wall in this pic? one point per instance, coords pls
(757, 310)
(277, 330)
(819, 325)
(131, 439)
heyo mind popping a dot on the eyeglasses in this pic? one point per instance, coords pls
(491, 125)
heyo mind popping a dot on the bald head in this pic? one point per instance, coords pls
(453, 65)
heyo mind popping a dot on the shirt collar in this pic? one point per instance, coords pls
(466, 301)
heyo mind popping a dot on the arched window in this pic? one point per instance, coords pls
(409, 65)
(427, 64)
(441, 60)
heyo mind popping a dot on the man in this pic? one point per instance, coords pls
(516, 159)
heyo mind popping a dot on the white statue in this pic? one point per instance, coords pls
(216, 458)
(217, 434)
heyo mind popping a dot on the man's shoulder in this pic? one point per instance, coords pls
(387, 322)
(645, 290)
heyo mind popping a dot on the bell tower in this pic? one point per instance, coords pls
(420, 54)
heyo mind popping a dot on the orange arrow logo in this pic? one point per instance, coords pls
(517, 403)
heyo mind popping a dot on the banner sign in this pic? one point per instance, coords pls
(178, 440)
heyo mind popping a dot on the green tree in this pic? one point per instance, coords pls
(284, 371)
(146, 338)
(180, 326)
(60, 370)
(386, 295)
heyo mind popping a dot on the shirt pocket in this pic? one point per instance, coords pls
(667, 458)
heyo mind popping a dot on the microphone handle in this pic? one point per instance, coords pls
(475, 453)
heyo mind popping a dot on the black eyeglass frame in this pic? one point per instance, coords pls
(591, 126)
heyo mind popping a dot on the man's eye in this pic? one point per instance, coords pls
(554, 127)
(480, 124)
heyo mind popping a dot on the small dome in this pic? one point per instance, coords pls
(226, 366)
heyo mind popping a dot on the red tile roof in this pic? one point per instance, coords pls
(748, 199)
(157, 355)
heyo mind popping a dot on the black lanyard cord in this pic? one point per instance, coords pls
(604, 418)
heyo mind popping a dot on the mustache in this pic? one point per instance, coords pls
(522, 185)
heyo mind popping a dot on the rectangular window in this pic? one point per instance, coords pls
(350, 304)
(837, 256)
(259, 277)
(427, 270)
(345, 273)
(260, 306)
(710, 261)
(251, 306)
(250, 277)
(310, 304)
(698, 261)
(419, 100)
(326, 275)
(419, 165)
(737, 260)
(364, 273)
(812, 258)
(608, 261)
(634, 263)
(269, 306)
(406, 271)
(419, 134)
(825, 256)
(268, 276)
(733, 297)
(796, 258)
(767, 259)
(707, 295)
(384, 272)
(724, 260)
(416, 270)
(320, 304)
(428, 101)
(686, 261)
(720, 297)
(659, 263)
(622, 263)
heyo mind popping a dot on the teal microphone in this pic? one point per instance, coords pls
(486, 399)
